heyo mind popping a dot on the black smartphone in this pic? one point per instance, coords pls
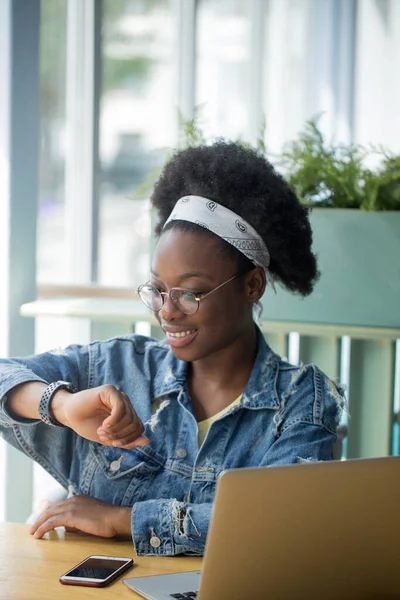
(96, 571)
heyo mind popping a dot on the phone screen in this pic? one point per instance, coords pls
(96, 570)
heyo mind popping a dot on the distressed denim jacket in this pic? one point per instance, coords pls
(286, 415)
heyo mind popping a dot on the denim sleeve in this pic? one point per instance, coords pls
(69, 364)
(161, 519)
(301, 443)
(305, 425)
(51, 447)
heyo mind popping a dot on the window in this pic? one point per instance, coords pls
(51, 250)
(223, 67)
(137, 126)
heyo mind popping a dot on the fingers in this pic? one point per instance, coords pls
(122, 428)
(128, 444)
(82, 513)
(121, 410)
(50, 518)
(128, 439)
(134, 428)
(48, 525)
(122, 414)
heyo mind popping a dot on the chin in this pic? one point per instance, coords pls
(185, 354)
(191, 352)
(194, 352)
(201, 347)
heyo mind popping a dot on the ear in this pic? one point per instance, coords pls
(255, 284)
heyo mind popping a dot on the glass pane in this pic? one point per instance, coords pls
(223, 66)
(287, 78)
(377, 85)
(50, 234)
(137, 124)
(51, 243)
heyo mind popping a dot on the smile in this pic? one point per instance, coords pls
(181, 333)
(180, 338)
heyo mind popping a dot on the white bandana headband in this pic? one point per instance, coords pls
(227, 225)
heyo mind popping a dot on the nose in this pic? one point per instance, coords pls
(168, 310)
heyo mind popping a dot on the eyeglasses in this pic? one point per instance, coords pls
(185, 301)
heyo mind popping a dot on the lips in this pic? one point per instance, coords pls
(177, 339)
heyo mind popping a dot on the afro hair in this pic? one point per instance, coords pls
(241, 179)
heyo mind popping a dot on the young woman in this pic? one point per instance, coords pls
(138, 430)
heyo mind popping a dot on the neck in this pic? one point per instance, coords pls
(229, 368)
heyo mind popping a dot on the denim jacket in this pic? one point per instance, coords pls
(286, 415)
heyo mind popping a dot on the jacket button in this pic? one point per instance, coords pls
(181, 453)
(115, 465)
(155, 541)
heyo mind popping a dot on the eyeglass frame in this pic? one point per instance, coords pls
(197, 298)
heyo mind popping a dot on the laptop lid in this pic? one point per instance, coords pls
(318, 530)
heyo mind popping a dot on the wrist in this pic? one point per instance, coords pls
(122, 520)
(57, 406)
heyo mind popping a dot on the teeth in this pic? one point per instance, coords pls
(180, 334)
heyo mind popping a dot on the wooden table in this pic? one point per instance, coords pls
(29, 568)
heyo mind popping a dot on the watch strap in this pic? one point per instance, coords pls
(44, 408)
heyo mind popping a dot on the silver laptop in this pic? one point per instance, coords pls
(325, 530)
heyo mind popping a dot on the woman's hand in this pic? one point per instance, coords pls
(84, 513)
(102, 414)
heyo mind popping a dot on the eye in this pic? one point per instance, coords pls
(152, 290)
(191, 297)
(183, 295)
(156, 287)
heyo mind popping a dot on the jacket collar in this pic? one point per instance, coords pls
(260, 391)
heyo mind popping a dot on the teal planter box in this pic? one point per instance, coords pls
(359, 259)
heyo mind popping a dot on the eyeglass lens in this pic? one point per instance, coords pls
(185, 301)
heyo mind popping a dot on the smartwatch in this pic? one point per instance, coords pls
(44, 407)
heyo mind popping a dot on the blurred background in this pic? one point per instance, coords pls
(115, 79)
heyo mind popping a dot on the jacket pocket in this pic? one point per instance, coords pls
(123, 476)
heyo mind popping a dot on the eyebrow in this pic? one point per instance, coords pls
(187, 275)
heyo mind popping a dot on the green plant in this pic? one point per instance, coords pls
(336, 176)
(384, 186)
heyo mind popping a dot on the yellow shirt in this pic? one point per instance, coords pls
(204, 426)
